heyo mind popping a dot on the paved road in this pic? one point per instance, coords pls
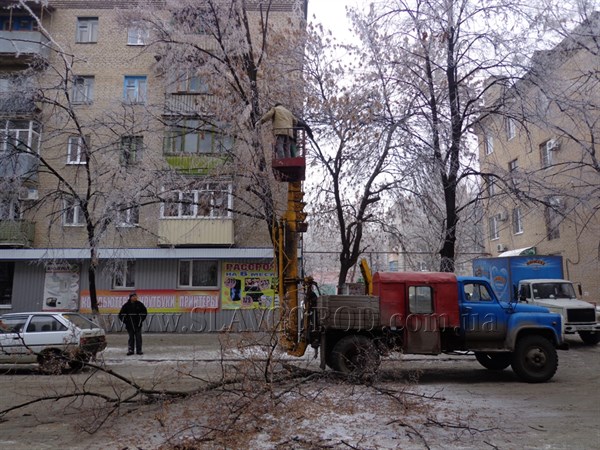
(561, 414)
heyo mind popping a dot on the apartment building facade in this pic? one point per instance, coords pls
(113, 158)
(539, 154)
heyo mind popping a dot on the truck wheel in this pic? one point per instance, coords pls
(355, 355)
(53, 362)
(494, 361)
(589, 337)
(535, 359)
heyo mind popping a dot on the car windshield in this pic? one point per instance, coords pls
(80, 321)
(553, 290)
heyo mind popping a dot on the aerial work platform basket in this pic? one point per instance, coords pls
(292, 168)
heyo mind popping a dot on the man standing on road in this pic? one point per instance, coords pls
(132, 314)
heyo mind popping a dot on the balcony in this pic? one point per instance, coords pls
(195, 232)
(18, 165)
(16, 233)
(186, 103)
(20, 48)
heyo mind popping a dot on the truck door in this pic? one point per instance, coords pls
(421, 328)
(482, 317)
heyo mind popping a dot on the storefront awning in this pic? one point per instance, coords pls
(41, 254)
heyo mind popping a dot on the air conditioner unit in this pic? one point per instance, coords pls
(501, 247)
(26, 193)
(553, 145)
(503, 216)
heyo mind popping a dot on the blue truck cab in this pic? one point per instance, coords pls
(507, 333)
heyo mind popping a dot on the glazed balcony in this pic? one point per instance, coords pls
(195, 232)
(16, 233)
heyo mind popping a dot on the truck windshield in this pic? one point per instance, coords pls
(553, 290)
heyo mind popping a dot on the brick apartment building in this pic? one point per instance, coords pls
(105, 118)
(541, 153)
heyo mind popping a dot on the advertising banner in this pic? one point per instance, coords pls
(156, 301)
(61, 287)
(248, 285)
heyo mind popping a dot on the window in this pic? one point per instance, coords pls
(420, 300)
(19, 136)
(213, 200)
(188, 137)
(187, 82)
(488, 144)
(131, 149)
(137, 35)
(494, 227)
(475, 292)
(7, 273)
(198, 273)
(491, 187)
(134, 90)
(517, 220)
(546, 154)
(125, 275)
(77, 149)
(511, 128)
(512, 165)
(87, 29)
(72, 213)
(17, 23)
(44, 324)
(10, 208)
(83, 89)
(553, 217)
(128, 216)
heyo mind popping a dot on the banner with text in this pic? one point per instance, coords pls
(248, 285)
(156, 301)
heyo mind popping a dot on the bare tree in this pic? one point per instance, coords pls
(358, 121)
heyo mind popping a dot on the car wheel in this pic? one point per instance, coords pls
(494, 361)
(53, 362)
(355, 355)
(535, 359)
(590, 337)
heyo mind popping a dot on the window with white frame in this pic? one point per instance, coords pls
(512, 165)
(488, 144)
(511, 128)
(83, 89)
(124, 277)
(189, 137)
(128, 216)
(491, 186)
(517, 220)
(198, 273)
(131, 149)
(211, 200)
(134, 89)
(546, 154)
(553, 217)
(19, 136)
(494, 225)
(72, 213)
(137, 35)
(77, 149)
(87, 29)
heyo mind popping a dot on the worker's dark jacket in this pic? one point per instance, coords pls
(133, 314)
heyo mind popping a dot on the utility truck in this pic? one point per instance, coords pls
(412, 313)
(539, 280)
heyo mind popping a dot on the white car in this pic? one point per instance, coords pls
(57, 341)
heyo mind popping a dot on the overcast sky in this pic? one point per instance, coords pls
(332, 14)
